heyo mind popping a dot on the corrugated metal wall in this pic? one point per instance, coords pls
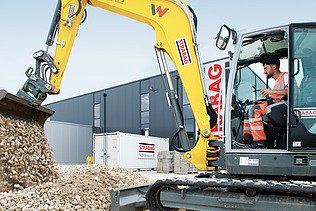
(162, 123)
(71, 143)
(77, 110)
(122, 109)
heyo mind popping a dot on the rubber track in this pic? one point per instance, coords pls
(279, 187)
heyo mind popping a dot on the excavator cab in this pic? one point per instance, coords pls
(249, 80)
(289, 125)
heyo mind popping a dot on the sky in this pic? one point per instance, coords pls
(111, 50)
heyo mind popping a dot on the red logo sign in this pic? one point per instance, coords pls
(146, 147)
(71, 10)
(308, 113)
(183, 51)
(214, 73)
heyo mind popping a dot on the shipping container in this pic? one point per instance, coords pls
(127, 150)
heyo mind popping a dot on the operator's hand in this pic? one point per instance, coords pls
(265, 92)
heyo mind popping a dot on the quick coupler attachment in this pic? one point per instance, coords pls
(35, 89)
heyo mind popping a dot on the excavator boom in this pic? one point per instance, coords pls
(179, 43)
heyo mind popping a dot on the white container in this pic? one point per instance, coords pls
(127, 150)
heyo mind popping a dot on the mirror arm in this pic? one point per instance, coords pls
(234, 36)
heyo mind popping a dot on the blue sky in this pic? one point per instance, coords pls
(112, 50)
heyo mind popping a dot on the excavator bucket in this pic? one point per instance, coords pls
(17, 108)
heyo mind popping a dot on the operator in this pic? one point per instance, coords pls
(253, 125)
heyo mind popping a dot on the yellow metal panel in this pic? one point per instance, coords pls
(65, 39)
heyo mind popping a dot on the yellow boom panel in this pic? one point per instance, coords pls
(174, 34)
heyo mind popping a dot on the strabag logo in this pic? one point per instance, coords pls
(71, 10)
(183, 51)
(146, 150)
(308, 113)
(214, 79)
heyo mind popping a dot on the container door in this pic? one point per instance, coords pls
(99, 150)
(112, 151)
(303, 87)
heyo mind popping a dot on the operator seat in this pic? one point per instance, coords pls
(275, 122)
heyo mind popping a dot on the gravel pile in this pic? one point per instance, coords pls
(25, 156)
(84, 187)
(30, 180)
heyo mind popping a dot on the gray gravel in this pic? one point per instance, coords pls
(30, 180)
(83, 187)
(25, 156)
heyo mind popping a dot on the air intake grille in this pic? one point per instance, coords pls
(300, 161)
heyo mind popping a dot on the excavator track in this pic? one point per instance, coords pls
(231, 193)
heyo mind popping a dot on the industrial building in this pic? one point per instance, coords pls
(132, 108)
(138, 107)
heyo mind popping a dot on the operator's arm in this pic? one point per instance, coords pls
(280, 92)
(267, 92)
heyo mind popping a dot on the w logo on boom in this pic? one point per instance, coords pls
(158, 10)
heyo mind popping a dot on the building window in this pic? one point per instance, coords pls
(144, 111)
(189, 122)
(97, 115)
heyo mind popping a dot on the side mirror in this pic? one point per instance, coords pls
(223, 37)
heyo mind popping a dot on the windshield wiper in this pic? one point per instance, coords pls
(254, 39)
(275, 37)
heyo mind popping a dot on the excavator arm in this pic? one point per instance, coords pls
(173, 23)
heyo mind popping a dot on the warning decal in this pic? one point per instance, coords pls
(246, 161)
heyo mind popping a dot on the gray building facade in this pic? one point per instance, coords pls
(71, 143)
(131, 108)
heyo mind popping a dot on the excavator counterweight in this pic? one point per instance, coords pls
(17, 108)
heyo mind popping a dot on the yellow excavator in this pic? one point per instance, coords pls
(179, 43)
(237, 177)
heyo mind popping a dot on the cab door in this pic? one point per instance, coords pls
(302, 99)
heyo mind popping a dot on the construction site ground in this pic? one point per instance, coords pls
(154, 175)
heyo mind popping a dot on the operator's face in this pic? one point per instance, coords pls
(268, 69)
